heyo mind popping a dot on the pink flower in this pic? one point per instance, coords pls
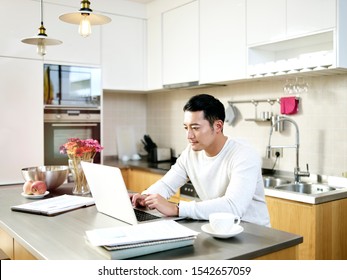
(85, 149)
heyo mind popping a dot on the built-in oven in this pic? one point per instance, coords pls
(61, 123)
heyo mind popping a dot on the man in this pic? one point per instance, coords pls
(225, 173)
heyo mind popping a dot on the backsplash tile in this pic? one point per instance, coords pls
(322, 120)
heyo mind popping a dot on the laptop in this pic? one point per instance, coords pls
(111, 195)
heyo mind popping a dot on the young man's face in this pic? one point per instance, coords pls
(200, 134)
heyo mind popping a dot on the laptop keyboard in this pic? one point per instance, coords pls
(143, 216)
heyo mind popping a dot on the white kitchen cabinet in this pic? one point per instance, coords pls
(309, 44)
(123, 53)
(307, 16)
(180, 39)
(266, 20)
(154, 53)
(273, 20)
(21, 117)
(222, 40)
(16, 24)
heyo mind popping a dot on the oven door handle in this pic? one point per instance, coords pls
(74, 124)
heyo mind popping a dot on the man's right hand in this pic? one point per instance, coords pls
(138, 200)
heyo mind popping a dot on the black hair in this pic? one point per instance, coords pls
(213, 109)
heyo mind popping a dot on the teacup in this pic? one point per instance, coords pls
(223, 222)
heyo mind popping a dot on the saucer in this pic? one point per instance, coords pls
(236, 230)
(34, 196)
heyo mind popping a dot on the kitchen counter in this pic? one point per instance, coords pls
(62, 237)
(143, 164)
(339, 183)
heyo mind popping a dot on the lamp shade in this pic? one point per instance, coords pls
(94, 19)
(85, 18)
(35, 40)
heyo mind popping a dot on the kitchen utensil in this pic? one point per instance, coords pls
(148, 143)
(230, 114)
(266, 115)
(53, 175)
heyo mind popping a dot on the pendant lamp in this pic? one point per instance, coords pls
(41, 40)
(85, 18)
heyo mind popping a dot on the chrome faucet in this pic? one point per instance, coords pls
(297, 173)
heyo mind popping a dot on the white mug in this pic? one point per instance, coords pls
(223, 222)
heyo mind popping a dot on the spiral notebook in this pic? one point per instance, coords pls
(130, 241)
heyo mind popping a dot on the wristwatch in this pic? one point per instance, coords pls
(178, 209)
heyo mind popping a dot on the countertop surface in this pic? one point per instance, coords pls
(143, 164)
(62, 237)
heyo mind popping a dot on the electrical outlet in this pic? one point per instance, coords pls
(277, 150)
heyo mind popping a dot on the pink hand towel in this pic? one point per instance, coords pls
(289, 105)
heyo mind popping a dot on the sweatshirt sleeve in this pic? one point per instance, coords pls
(170, 183)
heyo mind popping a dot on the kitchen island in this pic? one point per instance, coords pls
(62, 237)
(319, 217)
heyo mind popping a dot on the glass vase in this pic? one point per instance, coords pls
(80, 182)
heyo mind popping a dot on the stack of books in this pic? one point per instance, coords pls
(131, 241)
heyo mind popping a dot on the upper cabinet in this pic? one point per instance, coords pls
(266, 20)
(154, 50)
(196, 41)
(180, 41)
(273, 20)
(308, 16)
(14, 28)
(123, 54)
(222, 40)
(170, 42)
(292, 36)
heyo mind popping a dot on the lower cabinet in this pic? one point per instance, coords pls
(323, 226)
(13, 249)
(138, 180)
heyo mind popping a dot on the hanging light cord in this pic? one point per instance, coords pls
(42, 29)
(41, 9)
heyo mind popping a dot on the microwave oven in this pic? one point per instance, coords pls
(75, 86)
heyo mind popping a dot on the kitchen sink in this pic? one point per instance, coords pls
(271, 182)
(306, 188)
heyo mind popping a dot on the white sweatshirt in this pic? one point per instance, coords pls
(228, 182)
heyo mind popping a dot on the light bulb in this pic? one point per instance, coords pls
(85, 28)
(41, 48)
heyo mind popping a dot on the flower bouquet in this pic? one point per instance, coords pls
(80, 150)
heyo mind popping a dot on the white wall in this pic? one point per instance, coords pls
(322, 121)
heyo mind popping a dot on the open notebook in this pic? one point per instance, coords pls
(55, 205)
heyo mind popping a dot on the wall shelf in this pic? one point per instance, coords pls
(300, 54)
(255, 101)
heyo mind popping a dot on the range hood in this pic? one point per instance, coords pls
(191, 85)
